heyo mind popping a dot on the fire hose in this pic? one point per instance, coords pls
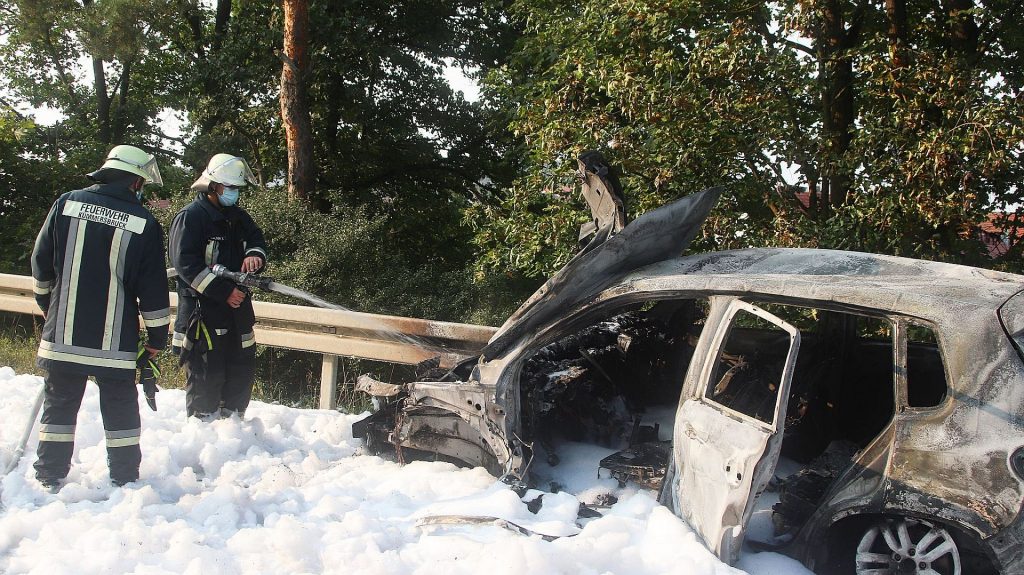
(23, 441)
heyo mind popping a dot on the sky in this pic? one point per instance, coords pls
(290, 491)
(460, 82)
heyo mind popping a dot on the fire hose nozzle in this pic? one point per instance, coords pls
(242, 278)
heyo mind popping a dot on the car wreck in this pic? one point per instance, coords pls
(892, 388)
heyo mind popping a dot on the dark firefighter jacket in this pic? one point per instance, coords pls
(202, 235)
(98, 262)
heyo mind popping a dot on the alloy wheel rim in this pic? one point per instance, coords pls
(905, 546)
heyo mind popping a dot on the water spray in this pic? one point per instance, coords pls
(266, 283)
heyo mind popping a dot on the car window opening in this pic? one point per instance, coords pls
(926, 378)
(748, 370)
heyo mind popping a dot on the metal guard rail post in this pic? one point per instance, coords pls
(330, 332)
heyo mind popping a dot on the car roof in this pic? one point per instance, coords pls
(926, 289)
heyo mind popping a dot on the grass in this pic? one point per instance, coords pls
(19, 352)
(293, 378)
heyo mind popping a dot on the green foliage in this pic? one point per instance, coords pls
(360, 260)
(687, 94)
(96, 62)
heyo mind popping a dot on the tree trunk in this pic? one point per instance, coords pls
(896, 14)
(102, 101)
(119, 119)
(220, 23)
(837, 102)
(294, 100)
(102, 97)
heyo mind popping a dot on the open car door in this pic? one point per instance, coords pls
(727, 430)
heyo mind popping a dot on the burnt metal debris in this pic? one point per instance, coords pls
(643, 464)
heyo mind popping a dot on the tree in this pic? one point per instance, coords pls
(294, 100)
(389, 137)
(890, 128)
(117, 99)
(26, 177)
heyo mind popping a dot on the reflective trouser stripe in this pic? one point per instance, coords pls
(248, 339)
(42, 287)
(178, 339)
(123, 437)
(53, 432)
(125, 442)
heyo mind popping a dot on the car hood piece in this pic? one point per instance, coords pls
(657, 235)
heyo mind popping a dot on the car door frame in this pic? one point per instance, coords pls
(724, 535)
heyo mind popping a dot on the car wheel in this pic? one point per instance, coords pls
(904, 546)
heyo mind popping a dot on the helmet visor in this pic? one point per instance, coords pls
(152, 172)
(233, 171)
(149, 170)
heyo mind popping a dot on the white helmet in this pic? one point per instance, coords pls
(133, 160)
(224, 169)
(229, 170)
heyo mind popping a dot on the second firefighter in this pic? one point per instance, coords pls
(213, 332)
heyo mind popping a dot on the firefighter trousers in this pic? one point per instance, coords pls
(219, 380)
(119, 407)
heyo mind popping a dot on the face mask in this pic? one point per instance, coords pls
(229, 197)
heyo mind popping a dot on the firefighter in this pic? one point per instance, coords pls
(213, 331)
(97, 264)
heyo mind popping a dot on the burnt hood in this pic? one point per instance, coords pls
(657, 235)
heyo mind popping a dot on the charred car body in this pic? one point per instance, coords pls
(894, 387)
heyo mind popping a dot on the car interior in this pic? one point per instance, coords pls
(617, 381)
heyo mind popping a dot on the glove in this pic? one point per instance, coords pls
(149, 372)
(197, 340)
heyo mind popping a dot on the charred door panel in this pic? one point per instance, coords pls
(726, 440)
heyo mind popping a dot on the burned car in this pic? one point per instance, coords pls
(892, 388)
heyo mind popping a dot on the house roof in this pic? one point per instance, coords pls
(997, 236)
(994, 222)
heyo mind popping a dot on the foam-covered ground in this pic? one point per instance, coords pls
(290, 491)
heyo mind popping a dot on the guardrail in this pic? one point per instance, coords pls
(333, 333)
